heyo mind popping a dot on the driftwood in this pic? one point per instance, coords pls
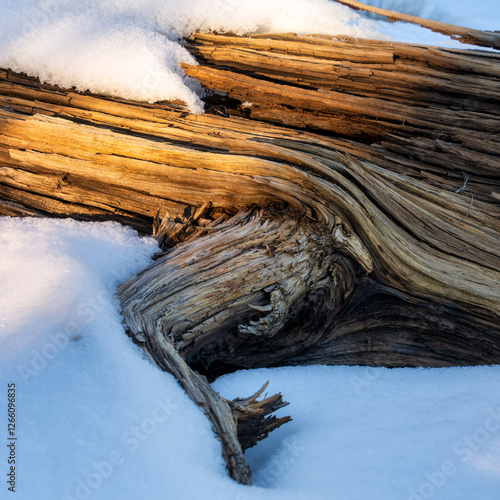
(337, 204)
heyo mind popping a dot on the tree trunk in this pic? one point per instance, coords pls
(337, 204)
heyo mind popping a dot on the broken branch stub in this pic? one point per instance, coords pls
(237, 424)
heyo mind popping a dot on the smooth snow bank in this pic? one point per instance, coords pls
(129, 48)
(95, 420)
(93, 416)
(47, 266)
(379, 434)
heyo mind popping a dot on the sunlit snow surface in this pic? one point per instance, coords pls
(96, 420)
(130, 48)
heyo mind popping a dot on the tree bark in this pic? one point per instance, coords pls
(337, 204)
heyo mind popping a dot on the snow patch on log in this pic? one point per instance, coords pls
(132, 50)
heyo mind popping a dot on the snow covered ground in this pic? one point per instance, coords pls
(96, 420)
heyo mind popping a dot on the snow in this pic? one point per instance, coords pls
(130, 48)
(96, 420)
(375, 433)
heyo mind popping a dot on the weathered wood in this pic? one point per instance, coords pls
(432, 109)
(365, 231)
(272, 287)
(396, 99)
(286, 262)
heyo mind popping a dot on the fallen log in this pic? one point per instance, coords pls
(337, 204)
